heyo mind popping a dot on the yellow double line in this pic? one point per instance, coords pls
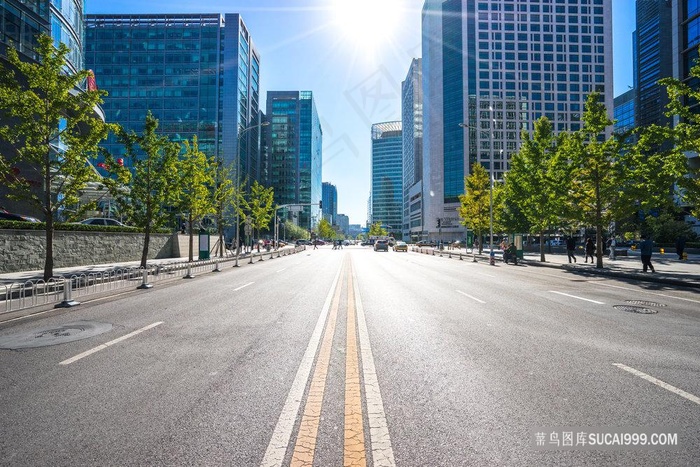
(354, 446)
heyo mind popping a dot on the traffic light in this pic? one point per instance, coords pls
(439, 224)
(320, 204)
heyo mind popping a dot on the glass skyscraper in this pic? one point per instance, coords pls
(387, 176)
(197, 74)
(412, 119)
(294, 141)
(330, 202)
(496, 66)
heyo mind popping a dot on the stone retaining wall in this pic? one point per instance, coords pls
(23, 250)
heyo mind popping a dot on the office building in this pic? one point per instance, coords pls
(653, 57)
(412, 119)
(343, 223)
(490, 69)
(294, 146)
(330, 202)
(624, 111)
(197, 74)
(387, 177)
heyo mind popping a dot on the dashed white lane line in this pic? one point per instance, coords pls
(243, 286)
(469, 296)
(649, 293)
(579, 298)
(110, 343)
(382, 452)
(660, 383)
(281, 270)
(274, 455)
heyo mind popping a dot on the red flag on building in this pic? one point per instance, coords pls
(91, 82)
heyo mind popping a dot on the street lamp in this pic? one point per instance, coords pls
(238, 183)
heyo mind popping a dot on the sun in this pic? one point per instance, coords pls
(366, 23)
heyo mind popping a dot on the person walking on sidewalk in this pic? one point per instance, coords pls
(645, 249)
(571, 248)
(590, 249)
(680, 246)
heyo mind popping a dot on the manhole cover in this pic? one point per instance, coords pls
(644, 303)
(636, 309)
(68, 332)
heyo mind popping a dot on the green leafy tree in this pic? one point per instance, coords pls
(224, 196)
(293, 231)
(196, 179)
(153, 186)
(534, 188)
(685, 136)
(475, 203)
(50, 131)
(376, 230)
(259, 206)
(325, 230)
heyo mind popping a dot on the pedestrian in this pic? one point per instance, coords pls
(511, 253)
(612, 243)
(571, 248)
(315, 244)
(645, 249)
(589, 249)
(680, 246)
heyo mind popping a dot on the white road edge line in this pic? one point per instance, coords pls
(283, 269)
(650, 293)
(243, 286)
(276, 450)
(660, 383)
(108, 344)
(473, 298)
(579, 298)
(382, 452)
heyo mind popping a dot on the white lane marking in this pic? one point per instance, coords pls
(382, 452)
(110, 343)
(473, 298)
(579, 298)
(274, 455)
(649, 293)
(243, 286)
(660, 383)
(283, 269)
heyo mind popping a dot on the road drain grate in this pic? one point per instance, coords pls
(636, 309)
(644, 303)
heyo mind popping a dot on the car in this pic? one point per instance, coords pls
(381, 245)
(101, 221)
(400, 246)
(9, 216)
(427, 243)
(319, 242)
(302, 241)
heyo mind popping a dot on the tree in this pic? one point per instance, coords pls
(533, 185)
(259, 206)
(475, 202)
(153, 187)
(293, 231)
(686, 136)
(196, 179)
(50, 130)
(376, 230)
(325, 229)
(223, 199)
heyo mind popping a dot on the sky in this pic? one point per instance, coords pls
(353, 55)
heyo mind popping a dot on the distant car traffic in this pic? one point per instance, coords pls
(427, 243)
(381, 244)
(9, 216)
(101, 221)
(400, 246)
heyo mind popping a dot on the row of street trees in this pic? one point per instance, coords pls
(590, 177)
(50, 131)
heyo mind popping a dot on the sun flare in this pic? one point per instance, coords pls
(366, 23)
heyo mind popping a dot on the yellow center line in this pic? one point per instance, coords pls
(305, 446)
(354, 452)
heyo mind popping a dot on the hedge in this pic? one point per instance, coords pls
(65, 226)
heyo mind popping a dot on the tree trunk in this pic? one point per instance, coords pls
(48, 261)
(598, 224)
(542, 257)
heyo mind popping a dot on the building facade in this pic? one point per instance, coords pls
(330, 202)
(624, 111)
(490, 69)
(294, 141)
(343, 223)
(387, 177)
(197, 74)
(412, 118)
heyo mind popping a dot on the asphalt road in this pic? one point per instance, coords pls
(447, 363)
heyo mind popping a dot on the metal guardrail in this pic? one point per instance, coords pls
(62, 290)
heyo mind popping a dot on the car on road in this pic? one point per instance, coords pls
(302, 241)
(381, 244)
(426, 243)
(10, 216)
(400, 246)
(101, 221)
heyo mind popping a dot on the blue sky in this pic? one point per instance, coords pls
(354, 64)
